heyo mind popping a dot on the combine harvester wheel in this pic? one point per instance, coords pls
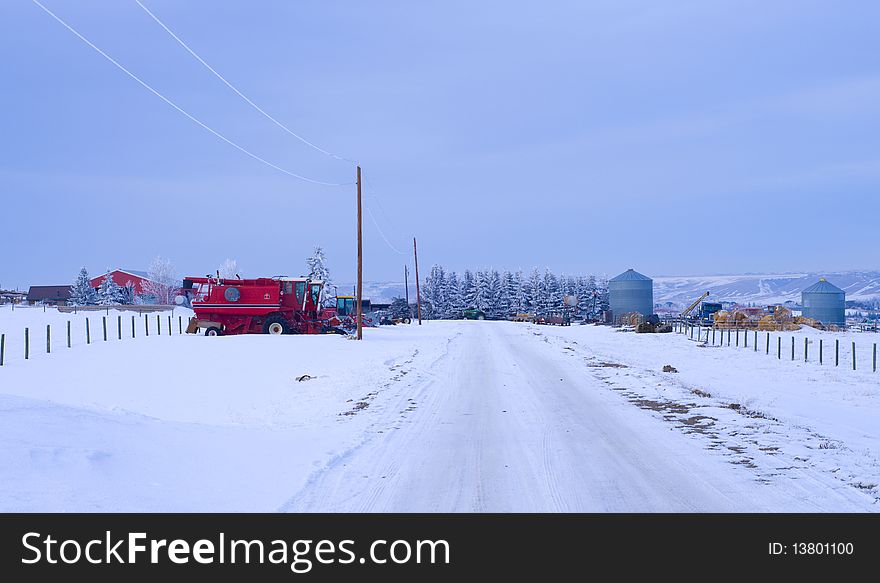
(275, 326)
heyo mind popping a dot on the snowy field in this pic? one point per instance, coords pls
(449, 416)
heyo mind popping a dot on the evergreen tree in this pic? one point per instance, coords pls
(602, 296)
(455, 303)
(509, 294)
(550, 293)
(533, 291)
(437, 293)
(570, 285)
(469, 290)
(481, 290)
(521, 305)
(494, 295)
(127, 294)
(109, 292)
(399, 308)
(81, 292)
(317, 267)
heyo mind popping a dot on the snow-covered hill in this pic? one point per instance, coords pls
(762, 288)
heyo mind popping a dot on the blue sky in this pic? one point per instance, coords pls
(589, 137)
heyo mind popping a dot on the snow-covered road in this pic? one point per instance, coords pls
(505, 422)
(448, 416)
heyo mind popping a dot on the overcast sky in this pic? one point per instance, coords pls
(674, 137)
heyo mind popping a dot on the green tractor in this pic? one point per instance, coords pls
(473, 314)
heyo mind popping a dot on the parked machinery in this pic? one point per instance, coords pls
(277, 305)
(687, 311)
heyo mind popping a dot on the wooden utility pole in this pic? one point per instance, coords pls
(360, 283)
(406, 284)
(418, 293)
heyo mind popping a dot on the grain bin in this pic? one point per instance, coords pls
(630, 292)
(825, 302)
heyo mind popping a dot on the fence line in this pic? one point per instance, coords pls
(695, 332)
(86, 322)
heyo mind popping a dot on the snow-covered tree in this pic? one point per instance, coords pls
(435, 291)
(468, 289)
(161, 286)
(509, 294)
(521, 303)
(317, 266)
(109, 292)
(551, 294)
(399, 308)
(533, 291)
(127, 294)
(229, 269)
(454, 300)
(481, 290)
(81, 292)
(494, 295)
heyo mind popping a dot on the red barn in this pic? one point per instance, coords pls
(122, 277)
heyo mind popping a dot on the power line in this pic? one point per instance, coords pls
(239, 93)
(178, 108)
(378, 228)
(372, 194)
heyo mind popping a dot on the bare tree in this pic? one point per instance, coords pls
(162, 284)
(229, 269)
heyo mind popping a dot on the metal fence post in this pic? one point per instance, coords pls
(837, 352)
(119, 327)
(768, 343)
(48, 338)
(158, 325)
(820, 351)
(146, 325)
(806, 350)
(27, 344)
(756, 341)
(68, 333)
(104, 324)
(169, 325)
(875, 357)
(792, 347)
(3, 345)
(728, 336)
(779, 347)
(132, 326)
(88, 332)
(180, 324)
(854, 354)
(737, 337)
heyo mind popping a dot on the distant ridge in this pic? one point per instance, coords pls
(763, 288)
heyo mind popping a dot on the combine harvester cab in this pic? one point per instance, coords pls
(279, 305)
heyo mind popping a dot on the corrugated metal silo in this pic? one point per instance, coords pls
(825, 302)
(630, 292)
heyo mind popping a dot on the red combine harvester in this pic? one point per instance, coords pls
(276, 305)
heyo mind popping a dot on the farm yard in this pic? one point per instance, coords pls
(448, 416)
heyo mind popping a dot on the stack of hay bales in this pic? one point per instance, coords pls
(780, 321)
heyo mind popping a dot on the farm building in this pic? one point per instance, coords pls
(122, 277)
(53, 295)
(825, 302)
(8, 296)
(631, 292)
